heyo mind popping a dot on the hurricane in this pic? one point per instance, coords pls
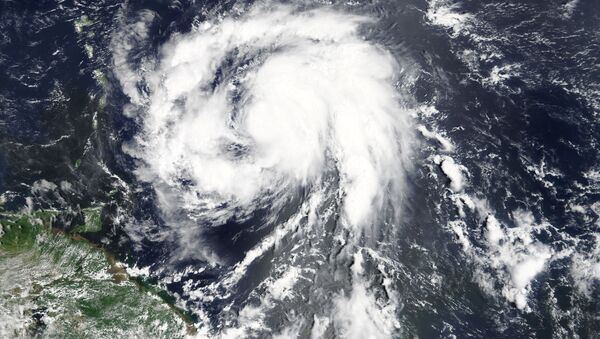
(286, 117)
(299, 169)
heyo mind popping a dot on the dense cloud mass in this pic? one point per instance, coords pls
(242, 113)
(307, 169)
(246, 110)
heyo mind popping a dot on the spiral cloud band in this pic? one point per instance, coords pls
(279, 118)
(243, 111)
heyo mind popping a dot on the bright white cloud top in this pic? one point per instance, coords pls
(243, 113)
(245, 110)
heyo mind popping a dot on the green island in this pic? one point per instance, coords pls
(55, 284)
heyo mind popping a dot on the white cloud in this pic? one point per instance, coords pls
(306, 94)
(445, 13)
(453, 171)
(585, 268)
(360, 314)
